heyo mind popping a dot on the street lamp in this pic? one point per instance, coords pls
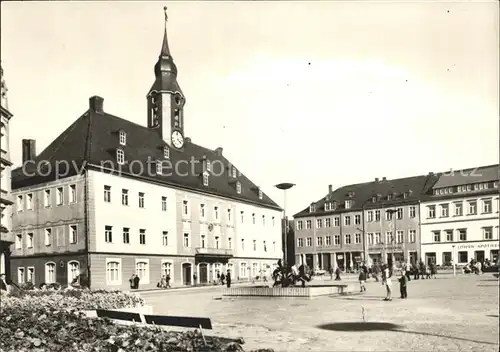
(454, 260)
(392, 212)
(284, 187)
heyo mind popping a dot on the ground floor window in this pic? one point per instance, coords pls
(255, 270)
(73, 271)
(430, 258)
(494, 255)
(463, 257)
(50, 273)
(243, 270)
(447, 258)
(31, 275)
(113, 272)
(166, 269)
(229, 267)
(20, 275)
(142, 270)
(217, 269)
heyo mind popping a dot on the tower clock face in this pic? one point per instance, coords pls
(177, 139)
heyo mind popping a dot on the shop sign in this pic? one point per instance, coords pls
(493, 245)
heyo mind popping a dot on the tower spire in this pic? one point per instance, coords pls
(165, 51)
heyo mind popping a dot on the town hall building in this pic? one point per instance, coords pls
(109, 198)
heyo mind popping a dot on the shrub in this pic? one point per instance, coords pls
(53, 321)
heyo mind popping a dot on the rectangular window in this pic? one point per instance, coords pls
(120, 156)
(229, 220)
(431, 211)
(73, 234)
(30, 240)
(202, 211)
(216, 214)
(123, 138)
(377, 215)
(309, 242)
(369, 216)
(19, 241)
(436, 236)
(357, 238)
(472, 207)
(142, 236)
(328, 222)
(319, 223)
(389, 238)
(444, 210)
(487, 209)
(399, 213)
(412, 212)
(265, 246)
(20, 203)
(203, 241)
(48, 237)
(217, 242)
(253, 218)
(238, 188)
(59, 196)
(205, 179)
(165, 238)
(319, 241)
(242, 216)
(371, 238)
(488, 233)
(46, 198)
(163, 203)
(186, 240)
(242, 244)
(185, 208)
(72, 194)
(263, 219)
(308, 224)
(107, 194)
(108, 234)
(336, 240)
(141, 200)
(254, 245)
(336, 222)
(378, 238)
(20, 275)
(159, 167)
(348, 204)
(124, 196)
(229, 243)
(347, 221)
(449, 235)
(29, 201)
(357, 219)
(347, 239)
(400, 236)
(31, 275)
(388, 215)
(463, 257)
(126, 235)
(458, 209)
(462, 235)
(300, 242)
(328, 240)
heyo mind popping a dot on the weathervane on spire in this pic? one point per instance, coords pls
(165, 10)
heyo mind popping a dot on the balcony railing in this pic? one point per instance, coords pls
(214, 251)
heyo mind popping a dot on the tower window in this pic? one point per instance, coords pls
(208, 165)
(120, 156)
(260, 194)
(166, 152)
(238, 187)
(159, 167)
(205, 179)
(123, 138)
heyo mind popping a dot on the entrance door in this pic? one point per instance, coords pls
(327, 261)
(479, 255)
(413, 257)
(186, 273)
(203, 273)
(430, 258)
(309, 260)
(494, 255)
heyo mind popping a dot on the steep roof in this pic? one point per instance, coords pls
(468, 176)
(91, 142)
(361, 194)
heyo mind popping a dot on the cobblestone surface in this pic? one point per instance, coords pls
(443, 314)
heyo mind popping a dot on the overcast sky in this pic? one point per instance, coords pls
(313, 93)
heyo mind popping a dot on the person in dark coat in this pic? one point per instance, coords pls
(222, 278)
(136, 282)
(337, 274)
(228, 279)
(403, 283)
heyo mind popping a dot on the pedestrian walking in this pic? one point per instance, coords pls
(403, 283)
(386, 280)
(228, 279)
(362, 280)
(337, 274)
(136, 282)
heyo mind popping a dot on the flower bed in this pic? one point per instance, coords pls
(55, 321)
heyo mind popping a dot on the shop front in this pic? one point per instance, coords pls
(444, 253)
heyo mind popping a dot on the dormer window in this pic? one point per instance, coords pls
(120, 156)
(238, 187)
(328, 206)
(389, 196)
(233, 172)
(374, 199)
(123, 137)
(348, 204)
(334, 205)
(166, 152)
(159, 167)
(312, 208)
(260, 194)
(205, 178)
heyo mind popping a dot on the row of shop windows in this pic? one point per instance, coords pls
(27, 274)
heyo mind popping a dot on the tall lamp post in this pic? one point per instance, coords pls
(284, 187)
(394, 216)
(454, 260)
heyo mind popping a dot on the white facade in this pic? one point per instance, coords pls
(460, 229)
(150, 221)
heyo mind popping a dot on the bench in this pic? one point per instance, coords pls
(183, 322)
(341, 287)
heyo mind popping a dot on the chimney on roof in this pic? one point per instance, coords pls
(376, 179)
(384, 178)
(330, 189)
(218, 151)
(29, 150)
(96, 104)
(431, 173)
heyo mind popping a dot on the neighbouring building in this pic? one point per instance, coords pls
(6, 236)
(109, 198)
(460, 219)
(375, 221)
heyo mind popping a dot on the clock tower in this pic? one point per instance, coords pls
(165, 98)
